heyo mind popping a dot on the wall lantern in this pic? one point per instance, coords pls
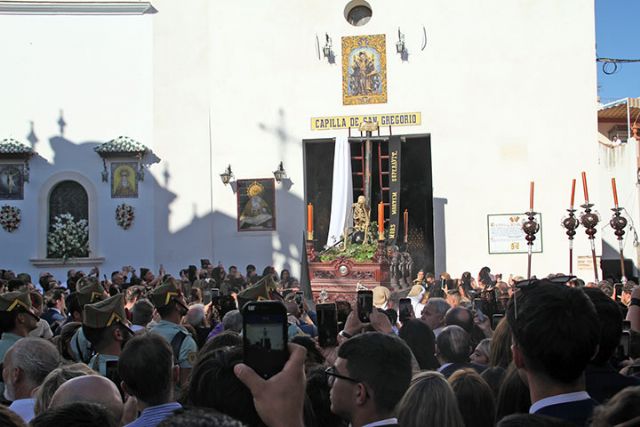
(400, 47)
(326, 50)
(226, 175)
(280, 173)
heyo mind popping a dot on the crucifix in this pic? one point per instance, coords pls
(368, 128)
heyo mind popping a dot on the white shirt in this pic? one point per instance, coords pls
(382, 422)
(558, 399)
(24, 408)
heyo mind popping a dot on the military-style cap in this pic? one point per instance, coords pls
(89, 291)
(104, 313)
(162, 295)
(12, 300)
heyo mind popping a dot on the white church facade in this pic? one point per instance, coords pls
(494, 95)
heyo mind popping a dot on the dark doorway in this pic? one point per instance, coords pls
(416, 193)
(318, 185)
(416, 196)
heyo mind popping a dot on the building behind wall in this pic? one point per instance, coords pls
(506, 92)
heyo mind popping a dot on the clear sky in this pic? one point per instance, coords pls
(618, 36)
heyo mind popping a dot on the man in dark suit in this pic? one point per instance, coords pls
(556, 332)
(603, 381)
(55, 314)
(453, 350)
(370, 376)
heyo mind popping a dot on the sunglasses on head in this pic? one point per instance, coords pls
(531, 283)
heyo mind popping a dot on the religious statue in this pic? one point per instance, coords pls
(10, 180)
(405, 269)
(256, 211)
(361, 217)
(393, 256)
(124, 180)
(365, 76)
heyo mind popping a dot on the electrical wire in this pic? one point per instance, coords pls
(608, 63)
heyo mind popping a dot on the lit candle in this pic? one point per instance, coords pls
(615, 192)
(584, 187)
(380, 218)
(310, 221)
(573, 192)
(531, 197)
(406, 225)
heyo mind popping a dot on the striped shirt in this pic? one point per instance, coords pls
(154, 415)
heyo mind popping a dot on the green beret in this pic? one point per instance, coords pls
(89, 291)
(104, 313)
(12, 300)
(162, 295)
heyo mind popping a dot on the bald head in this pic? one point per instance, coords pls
(90, 388)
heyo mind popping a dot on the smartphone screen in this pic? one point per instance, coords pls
(478, 304)
(404, 309)
(624, 343)
(617, 288)
(264, 335)
(495, 319)
(365, 305)
(112, 373)
(327, 325)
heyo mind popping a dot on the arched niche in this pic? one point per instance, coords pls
(57, 185)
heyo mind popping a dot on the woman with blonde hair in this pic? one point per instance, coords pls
(430, 401)
(501, 345)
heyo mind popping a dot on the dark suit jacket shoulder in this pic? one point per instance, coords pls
(449, 370)
(603, 382)
(578, 412)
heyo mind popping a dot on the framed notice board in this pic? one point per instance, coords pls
(505, 235)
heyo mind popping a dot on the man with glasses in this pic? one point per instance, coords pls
(370, 376)
(555, 334)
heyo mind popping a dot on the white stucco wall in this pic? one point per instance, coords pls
(619, 162)
(506, 89)
(97, 69)
(500, 93)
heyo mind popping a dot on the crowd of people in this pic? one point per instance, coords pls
(144, 350)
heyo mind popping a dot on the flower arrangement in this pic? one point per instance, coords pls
(121, 144)
(124, 215)
(10, 218)
(68, 238)
(11, 146)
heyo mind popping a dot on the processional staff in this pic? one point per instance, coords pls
(571, 223)
(589, 221)
(530, 228)
(618, 223)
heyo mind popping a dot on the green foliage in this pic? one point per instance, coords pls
(358, 253)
